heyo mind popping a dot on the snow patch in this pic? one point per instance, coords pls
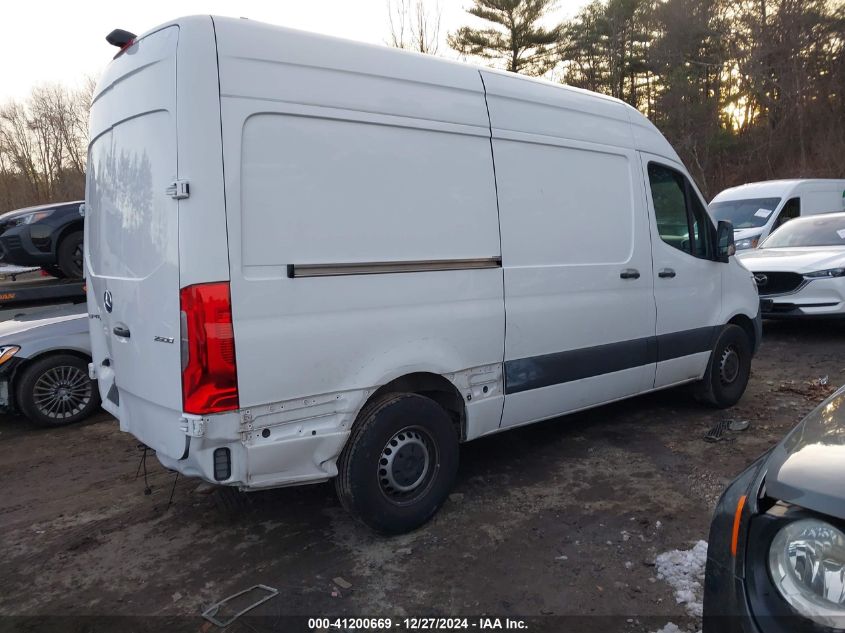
(10, 269)
(670, 628)
(683, 570)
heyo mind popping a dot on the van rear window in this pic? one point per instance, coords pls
(132, 226)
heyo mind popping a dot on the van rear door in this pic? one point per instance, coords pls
(131, 242)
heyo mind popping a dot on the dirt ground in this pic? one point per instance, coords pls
(557, 521)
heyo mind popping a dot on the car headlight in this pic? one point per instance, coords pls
(30, 218)
(830, 272)
(7, 351)
(747, 242)
(807, 564)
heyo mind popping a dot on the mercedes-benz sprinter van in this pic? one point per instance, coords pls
(311, 258)
(758, 208)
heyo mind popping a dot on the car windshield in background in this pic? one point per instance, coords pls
(809, 232)
(744, 214)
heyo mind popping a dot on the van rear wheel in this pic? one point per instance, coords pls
(729, 369)
(399, 463)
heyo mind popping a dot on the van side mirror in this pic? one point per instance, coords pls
(725, 246)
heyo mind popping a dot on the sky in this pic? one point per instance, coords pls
(59, 40)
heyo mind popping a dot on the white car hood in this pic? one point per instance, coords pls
(799, 260)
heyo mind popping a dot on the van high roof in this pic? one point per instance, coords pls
(775, 188)
(244, 39)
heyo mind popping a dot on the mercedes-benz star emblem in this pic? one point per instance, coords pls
(761, 280)
(107, 301)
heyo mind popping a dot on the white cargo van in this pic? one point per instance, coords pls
(758, 208)
(310, 258)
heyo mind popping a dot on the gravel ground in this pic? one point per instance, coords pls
(560, 522)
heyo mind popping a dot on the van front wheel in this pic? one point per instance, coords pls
(399, 464)
(729, 369)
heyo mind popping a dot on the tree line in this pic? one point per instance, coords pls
(745, 90)
(43, 146)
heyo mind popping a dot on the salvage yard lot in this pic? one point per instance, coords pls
(560, 518)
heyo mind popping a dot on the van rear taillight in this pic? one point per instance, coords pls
(209, 371)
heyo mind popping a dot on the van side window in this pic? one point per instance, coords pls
(790, 211)
(682, 220)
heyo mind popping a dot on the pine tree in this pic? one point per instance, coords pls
(517, 37)
(606, 48)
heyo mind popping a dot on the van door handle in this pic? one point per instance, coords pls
(122, 332)
(630, 273)
(666, 273)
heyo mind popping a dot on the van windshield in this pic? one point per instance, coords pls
(809, 232)
(744, 214)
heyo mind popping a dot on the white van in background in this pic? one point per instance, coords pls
(758, 208)
(311, 258)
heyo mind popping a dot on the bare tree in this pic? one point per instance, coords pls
(17, 147)
(414, 26)
(43, 146)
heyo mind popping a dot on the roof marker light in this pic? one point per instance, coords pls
(122, 39)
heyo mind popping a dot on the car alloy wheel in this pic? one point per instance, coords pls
(62, 392)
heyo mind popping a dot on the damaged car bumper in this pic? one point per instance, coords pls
(7, 373)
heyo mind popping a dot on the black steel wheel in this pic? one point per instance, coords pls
(407, 465)
(729, 369)
(399, 463)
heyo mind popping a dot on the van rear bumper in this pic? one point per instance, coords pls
(286, 461)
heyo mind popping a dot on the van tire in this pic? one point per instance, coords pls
(68, 255)
(727, 373)
(428, 450)
(43, 372)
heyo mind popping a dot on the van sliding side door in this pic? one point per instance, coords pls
(579, 294)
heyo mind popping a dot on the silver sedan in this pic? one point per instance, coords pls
(44, 360)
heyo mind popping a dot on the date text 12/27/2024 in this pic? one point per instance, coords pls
(417, 624)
